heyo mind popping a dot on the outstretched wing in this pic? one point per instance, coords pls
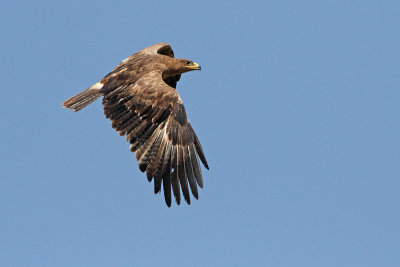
(151, 115)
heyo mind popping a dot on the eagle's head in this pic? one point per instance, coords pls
(178, 66)
(186, 65)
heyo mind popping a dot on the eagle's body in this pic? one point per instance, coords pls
(140, 99)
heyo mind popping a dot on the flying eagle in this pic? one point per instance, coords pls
(140, 98)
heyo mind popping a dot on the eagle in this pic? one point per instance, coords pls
(141, 100)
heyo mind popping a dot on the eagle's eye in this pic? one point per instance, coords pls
(187, 62)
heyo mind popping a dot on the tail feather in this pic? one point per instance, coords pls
(82, 99)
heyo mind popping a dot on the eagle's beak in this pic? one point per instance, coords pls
(195, 66)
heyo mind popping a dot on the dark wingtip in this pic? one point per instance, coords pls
(142, 167)
(178, 200)
(187, 200)
(149, 176)
(206, 165)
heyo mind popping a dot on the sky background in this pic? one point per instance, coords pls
(297, 108)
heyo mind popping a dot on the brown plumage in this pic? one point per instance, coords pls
(140, 99)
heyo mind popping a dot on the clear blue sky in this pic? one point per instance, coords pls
(297, 107)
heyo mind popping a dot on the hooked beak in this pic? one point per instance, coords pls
(195, 66)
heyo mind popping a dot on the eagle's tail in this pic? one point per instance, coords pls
(84, 98)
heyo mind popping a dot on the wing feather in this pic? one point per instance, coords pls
(166, 170)
(158, 173)
(155, 161)
(196, 166)
(148, 149)
(199, 149)
(190, 173)
(174, 176)
(182, 174)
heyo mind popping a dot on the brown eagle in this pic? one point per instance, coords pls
(140, 99)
